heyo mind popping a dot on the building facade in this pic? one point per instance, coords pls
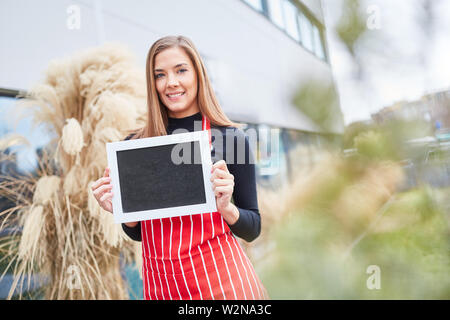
(439, 106)
(432, 107)
(258, 53)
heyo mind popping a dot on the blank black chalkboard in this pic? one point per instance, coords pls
(149, 179)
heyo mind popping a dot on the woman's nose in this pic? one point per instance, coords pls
(172, 81)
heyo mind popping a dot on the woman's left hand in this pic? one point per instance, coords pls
(223, 186)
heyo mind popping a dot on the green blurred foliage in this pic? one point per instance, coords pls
(354, 129)
(351, 26)
(375, 145)
(319, 102)
(387, 141)
(315, 259)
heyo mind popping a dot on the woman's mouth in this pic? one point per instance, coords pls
(174, 96)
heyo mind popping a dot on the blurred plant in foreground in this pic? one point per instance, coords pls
(320, 103)
(324, 233)
(347, 216)
(352, 25)
(388, 141)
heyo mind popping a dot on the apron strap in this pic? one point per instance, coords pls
(207, 126)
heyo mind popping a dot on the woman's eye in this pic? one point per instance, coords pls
(182, 70)
(159, 75)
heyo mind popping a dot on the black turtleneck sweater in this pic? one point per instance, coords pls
(248, 226)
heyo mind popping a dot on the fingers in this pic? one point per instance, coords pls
(221, 174)
(218, 191)
(99, 191)
(100, 182)
(105, 179)
(221, 164)
(222, 182)
(107, 195)
(223, 186)
(222, 179)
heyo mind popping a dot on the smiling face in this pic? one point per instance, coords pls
(176, 82)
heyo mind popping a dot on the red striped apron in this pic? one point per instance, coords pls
(196, 257)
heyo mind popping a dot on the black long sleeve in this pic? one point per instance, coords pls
(240, 163)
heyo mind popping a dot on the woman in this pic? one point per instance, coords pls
(195, 256)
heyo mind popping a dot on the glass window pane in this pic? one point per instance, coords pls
(38, 137)
(290, 14)
(318, 46)
(276, 12)
(305, 31)
(256, 4)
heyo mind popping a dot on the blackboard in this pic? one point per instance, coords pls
(161, 176)
(150, 180)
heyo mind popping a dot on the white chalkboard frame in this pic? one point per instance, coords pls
(201, 136)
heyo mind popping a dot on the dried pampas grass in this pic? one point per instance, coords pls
(32, 232)
(72, 181)
(72, 137)
(11, 140)
(46, 188)
(116, 111)
(112, 232)
(92, 205)
(94, 97)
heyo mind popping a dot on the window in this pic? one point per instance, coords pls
(276, 12)
(290, 14)
(297, 23)
(256, 4)
(26, 156)
(305, 31)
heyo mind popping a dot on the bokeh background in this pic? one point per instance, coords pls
(347, 102)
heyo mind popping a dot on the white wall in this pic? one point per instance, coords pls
(255, 66)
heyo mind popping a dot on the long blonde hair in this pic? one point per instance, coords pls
(157, 118)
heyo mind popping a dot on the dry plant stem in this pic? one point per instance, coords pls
(380, 214)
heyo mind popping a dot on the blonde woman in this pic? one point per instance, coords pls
(195, 256)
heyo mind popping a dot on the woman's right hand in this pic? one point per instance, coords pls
(102, 190)
(103, 194)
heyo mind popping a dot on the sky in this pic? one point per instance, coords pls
(403, 60)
